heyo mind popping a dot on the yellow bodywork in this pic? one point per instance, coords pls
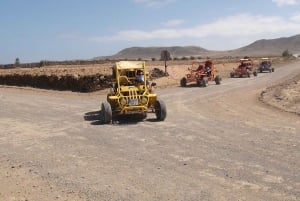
(128, 95)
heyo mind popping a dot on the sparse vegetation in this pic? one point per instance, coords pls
(286, 54)
(165, 56)
(17, 61)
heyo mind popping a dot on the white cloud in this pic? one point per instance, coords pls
(241, 25)
(154, 3)
(296, 18)
(138, 35)
(173, 23)
(286, 2)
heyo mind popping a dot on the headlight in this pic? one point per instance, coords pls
(123, 101)
(144, 100)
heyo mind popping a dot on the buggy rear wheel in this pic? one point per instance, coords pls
(272, 69)
(160, 110)
(106, 112)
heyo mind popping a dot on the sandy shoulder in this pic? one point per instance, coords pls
(285, 96)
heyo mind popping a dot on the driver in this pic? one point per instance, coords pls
(208, 69)
(140, 76)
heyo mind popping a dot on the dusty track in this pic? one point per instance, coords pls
(217, 143)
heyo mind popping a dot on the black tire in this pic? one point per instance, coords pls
(204, 82)
(255, 73)
(106, 112)
(248, 74)
(144, 115)
(160, 110)
(218, 79)
(232, 74)
(183, 82)
(273, 69)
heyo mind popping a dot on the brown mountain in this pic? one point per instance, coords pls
(154, 52)
(270, 47)
(264, 47)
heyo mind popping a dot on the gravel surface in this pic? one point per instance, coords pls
(217, 143)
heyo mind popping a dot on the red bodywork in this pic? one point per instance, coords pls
(244, 69)
(200, 72)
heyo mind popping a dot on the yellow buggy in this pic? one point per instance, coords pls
(131, 93)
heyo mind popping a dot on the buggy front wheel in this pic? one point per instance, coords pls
(218, 80)
(106, 112)
(160, 110)
(183, 82)
(204, 82)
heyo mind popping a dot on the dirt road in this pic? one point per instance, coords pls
(217, 143)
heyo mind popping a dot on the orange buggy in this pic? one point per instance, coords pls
(244, 69)
(201, 73)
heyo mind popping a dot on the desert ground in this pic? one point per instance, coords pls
(236, 141)
(96, 76)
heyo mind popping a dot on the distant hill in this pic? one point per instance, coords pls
(264, 47)
(154, 52)
(271, 47)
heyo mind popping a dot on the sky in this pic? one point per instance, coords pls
(35, 30)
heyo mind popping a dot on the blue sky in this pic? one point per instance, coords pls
(35, 30)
